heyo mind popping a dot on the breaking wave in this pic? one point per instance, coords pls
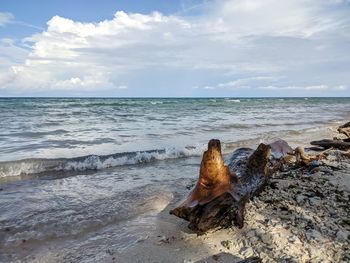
(93, 162)
(233, 100)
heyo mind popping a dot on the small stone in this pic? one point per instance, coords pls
(228, 244)
(253, 240)
(300, 199)
(266, 238)
(342, 235)
(163, 239)
(313, 234)
(141, 239)
(250, 233)
(243, 242)
(247, 252)
(315, 201)
(292, 239)
(274, 222)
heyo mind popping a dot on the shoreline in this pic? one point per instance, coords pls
(35, 167)
(299, 217)
(279, 225)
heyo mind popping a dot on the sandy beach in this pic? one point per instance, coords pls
(301, 216)
(184, 131)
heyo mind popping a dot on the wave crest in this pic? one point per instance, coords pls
(93, 162)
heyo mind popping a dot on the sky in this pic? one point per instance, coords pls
(177, 48)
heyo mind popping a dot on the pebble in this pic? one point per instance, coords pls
(247, 252)
(266, 238)
(292, 239)
(251, 233)
(300, 199)
(228, 244)
(163, 239)
(342, 235)
(315, 201)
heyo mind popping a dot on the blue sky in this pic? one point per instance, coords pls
(237, 48)
(38, 12)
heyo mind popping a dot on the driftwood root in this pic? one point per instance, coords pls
(219, 197)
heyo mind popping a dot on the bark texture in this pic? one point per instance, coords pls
(219, 197)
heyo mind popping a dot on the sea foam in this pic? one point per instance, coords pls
(93, 162)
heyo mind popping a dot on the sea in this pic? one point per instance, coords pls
(93, 173)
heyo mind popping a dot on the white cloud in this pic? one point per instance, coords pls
(247, 82)
(209, 87)
(341, 87)
(302, 88)
(239, 44)
(5, 18)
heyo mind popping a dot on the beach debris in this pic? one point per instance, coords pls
(163, 239)
(306, 159)
(337, 143)
(345, 129)
(228, 244)
(219, 197)
(302, 213)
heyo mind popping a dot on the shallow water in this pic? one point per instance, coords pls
(97, 171)
(83, 134)
(50, 209)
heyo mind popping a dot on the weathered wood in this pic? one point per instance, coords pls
(345, 129)
(306, 159)
(337, 144)
(347, 154)
(346, 125)
(220, 195)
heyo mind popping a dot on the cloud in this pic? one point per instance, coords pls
(6, 18)
(237, 45)
(302, 88)
(341, 87)
(247, 82)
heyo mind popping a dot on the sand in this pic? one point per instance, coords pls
(303, 215)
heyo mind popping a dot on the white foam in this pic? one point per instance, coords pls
(234, 100)
(94, 162)
(156, 102)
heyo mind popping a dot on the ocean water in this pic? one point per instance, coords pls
(72, 167)
(47, 135)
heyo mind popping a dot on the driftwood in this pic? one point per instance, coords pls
(347, 154)
(337, 144)
(220, 195)
(345, 129)
(306, 159)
